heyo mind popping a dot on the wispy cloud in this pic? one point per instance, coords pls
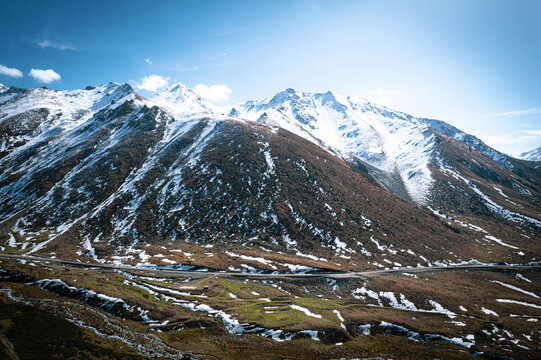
(531, 132)
(45, 76)
(54, 45)
(153, 83)
(148, 61)
(516, 112)
(213, 92)
(13, 72)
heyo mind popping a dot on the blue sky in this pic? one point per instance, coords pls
(474, 64)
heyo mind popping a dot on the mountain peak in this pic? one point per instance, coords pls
(3, 88)
(329, 97)
(345, 126)
(177, 88)
(295, 96)
(178, 91)
(182, 101)
(288, 94)
(126, 87)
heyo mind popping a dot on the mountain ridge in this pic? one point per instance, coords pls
(130, 179)
(532, 155)
(390, 147)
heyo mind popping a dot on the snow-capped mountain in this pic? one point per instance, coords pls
(105, 173)
(532, 155)
(412, 157)
(24, 114)
(397, 145)
(180, 101)
(3, 88)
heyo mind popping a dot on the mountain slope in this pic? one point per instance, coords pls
(532, 155)
(120, 178)
(428, 162)
(25, 114)
(469, 187)
(396, 149)
(395, 144)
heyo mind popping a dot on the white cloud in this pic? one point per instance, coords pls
(44, 76)
(515, 113)
(13, 72)
(531, 132)
(153, 82)
(148, 61)
(54, 45)
(213, 92)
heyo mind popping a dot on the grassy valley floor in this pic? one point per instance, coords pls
(54, 311)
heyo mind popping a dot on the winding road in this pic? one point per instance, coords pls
(334, 275)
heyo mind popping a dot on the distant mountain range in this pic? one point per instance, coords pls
(294, 182)
(532, 155)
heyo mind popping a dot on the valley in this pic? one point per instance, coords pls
(451, 314)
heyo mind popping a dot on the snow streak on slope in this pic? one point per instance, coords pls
(470, 140)
(68, 107)
(532, 155)
(25, 114)
(353, 128)
(103, 124)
